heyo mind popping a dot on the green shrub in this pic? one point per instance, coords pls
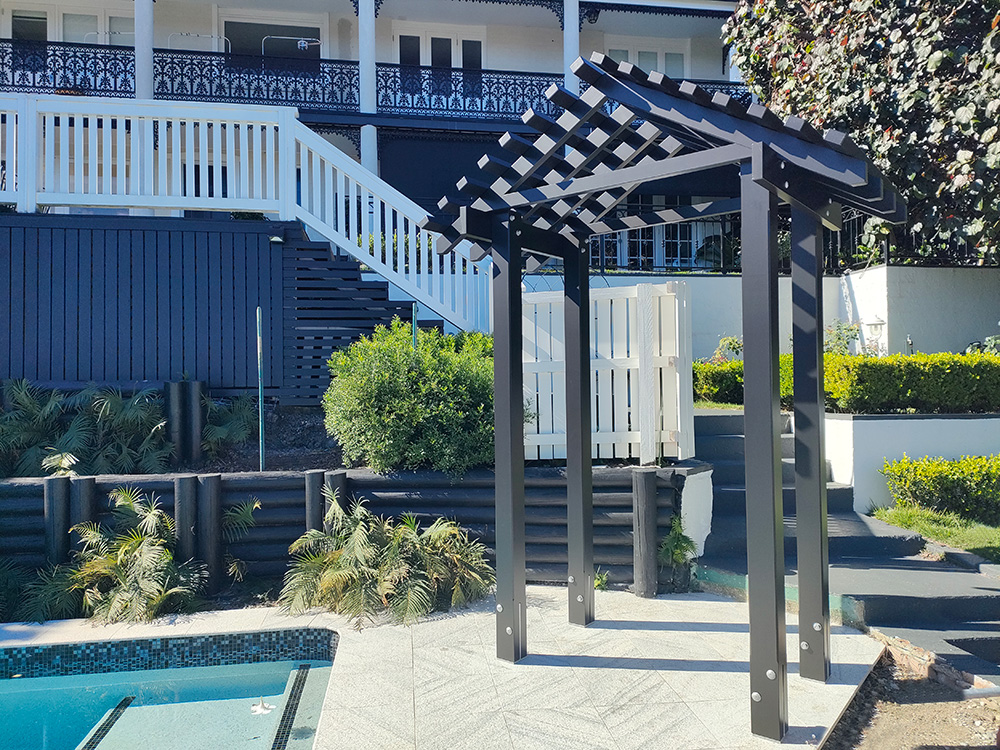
(95, 431)
(969, 486)
(394, 407)
(924, 383)
(722, 382)
(365, 566)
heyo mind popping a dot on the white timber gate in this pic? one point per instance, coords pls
(641, 393)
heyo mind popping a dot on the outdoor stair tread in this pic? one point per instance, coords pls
(839, 524)
(942, 642)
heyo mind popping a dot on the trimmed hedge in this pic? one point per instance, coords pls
(969, 486)
(922, 383)
(722, 382)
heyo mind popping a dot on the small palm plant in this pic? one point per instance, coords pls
(127, 572)
(363, 566)
(13, 580)
(676, 552)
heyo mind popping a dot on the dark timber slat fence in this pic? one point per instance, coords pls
(127, 300)
(35, 514)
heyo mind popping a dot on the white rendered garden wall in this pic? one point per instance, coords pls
(941, 309)
(641, 400)
(857, 446)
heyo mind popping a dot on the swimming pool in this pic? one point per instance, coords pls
(228, 691)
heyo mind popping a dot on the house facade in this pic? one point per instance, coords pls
(415, 90)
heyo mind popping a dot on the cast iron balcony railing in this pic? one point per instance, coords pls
(471, 94)
(321, 85)
(327, 85)
(64, 68)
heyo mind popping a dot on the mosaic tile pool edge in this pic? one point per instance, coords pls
(55, 660)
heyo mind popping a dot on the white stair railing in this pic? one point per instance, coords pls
(111, 153)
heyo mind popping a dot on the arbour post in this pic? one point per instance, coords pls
(810, 456)
(579, 471)
(765, 527)
(508, 404)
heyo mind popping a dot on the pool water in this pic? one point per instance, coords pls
(171, 709)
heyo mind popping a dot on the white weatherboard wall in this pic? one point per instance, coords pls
(641, 400)
(941, 309)
(857, 446)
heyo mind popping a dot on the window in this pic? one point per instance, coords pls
(445, 54)
(663, 55)
(29, 26)
(273, 40)
(89, 28)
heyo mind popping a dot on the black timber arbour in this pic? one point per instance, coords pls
(542, 198)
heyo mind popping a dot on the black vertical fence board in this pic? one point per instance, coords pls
(124, 293)
(228, 300)
(187, 278)
(5, 299)
(71, 310)
(56, 288)
(97, 301)
(150, 252)
(30, 323)
(242, 244)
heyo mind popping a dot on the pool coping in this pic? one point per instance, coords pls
(168, 652)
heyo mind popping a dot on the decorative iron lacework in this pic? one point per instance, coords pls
(556, 6)
(300, 644)
(63, 68)
(472, 94)
(330, 85)
(590, 11)
(351, 133)
(357, 10)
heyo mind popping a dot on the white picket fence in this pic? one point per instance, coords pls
(641, 392)
(140, 154)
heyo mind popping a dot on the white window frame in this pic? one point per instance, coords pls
(54, 13)
(320, 21)
(658, 45)
(456, 32)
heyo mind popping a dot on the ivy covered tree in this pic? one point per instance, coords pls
(915, 82)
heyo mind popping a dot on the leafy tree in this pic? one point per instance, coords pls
(915, 82)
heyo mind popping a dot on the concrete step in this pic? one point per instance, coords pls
(714, 448)
(851, 536)
(732, 472)
(732, 499)
(726, 422)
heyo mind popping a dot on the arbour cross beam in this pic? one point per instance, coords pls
(633, 133)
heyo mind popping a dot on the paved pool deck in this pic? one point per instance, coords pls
(670, 672)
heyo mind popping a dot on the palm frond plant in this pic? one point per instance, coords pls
(128, 571)
(676, 552)
(364, 566)
(32, 422)
(13, 580)
(228, 422)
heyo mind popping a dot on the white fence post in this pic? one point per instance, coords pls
(287, 167)
(646, 406)
(685, 377)
(27, 155)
